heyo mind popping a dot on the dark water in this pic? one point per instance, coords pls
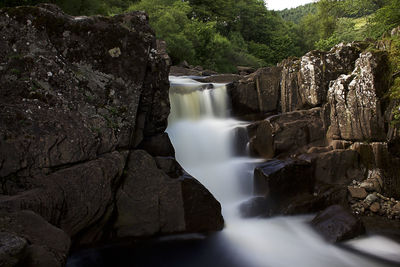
(193, 252)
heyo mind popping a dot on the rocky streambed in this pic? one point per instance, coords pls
(84, 157)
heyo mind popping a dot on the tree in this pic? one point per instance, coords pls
(385, 18)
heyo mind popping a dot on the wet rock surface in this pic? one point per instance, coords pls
(283, 182)
(255, 207)
(337, 224)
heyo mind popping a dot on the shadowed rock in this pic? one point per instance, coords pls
(255, 207)
(337, 224)
(256, 93)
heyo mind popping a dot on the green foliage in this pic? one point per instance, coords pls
(394, 59)
(326, 44)
(170, 21)
(220, 34)
(338, 21)
(295, 15)
(385, 18)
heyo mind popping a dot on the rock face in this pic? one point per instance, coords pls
(290, 83)
(256, 93)
(80, 96)
(148, 191)
(326, 170)
(288, 133)
(356, 100)
(337, 224)
(305, 81)
(377, 157)
(318, 68)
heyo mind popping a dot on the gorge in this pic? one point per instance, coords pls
(86, 159)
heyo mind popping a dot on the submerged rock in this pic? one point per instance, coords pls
(255, 207)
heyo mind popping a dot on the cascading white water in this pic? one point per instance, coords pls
(203, 137)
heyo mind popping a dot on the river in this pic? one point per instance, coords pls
(205, 138)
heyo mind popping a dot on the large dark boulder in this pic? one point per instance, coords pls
(202, 210)
(12, 248)
(79, 94)
(289, 187)
(151, 202)
(74, 199)
(261, 143)
(337, 224)
(295, 130)
(282, 181)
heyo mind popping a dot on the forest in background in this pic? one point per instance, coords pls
(223, 34)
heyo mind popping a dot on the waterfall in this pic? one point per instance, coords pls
(204, 138)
